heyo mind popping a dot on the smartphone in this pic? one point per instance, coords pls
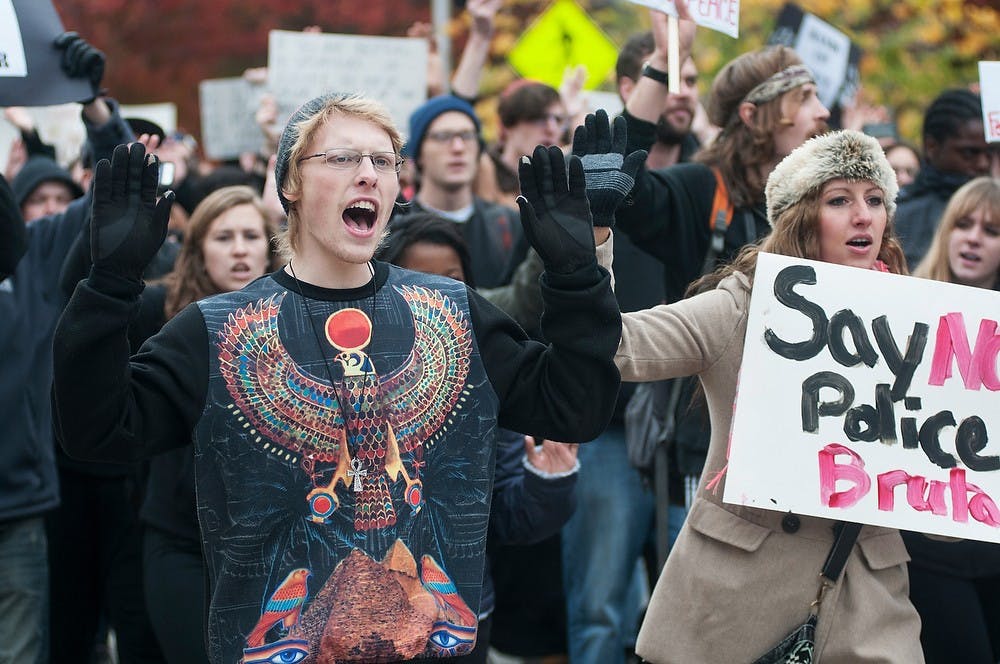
(166, 177)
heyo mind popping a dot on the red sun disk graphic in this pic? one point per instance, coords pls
(348, 329)
(322, 505)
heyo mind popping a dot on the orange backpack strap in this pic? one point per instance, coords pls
(718, 221)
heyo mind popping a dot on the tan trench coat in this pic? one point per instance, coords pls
(739, 579)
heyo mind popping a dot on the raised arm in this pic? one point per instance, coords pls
(106, 407)
(465, 81)
(566, 390)
(649, 96)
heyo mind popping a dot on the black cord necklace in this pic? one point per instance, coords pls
(334, 385)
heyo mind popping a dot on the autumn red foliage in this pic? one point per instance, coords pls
(159, 51)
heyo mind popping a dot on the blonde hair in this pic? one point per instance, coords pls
(189, 280)
(981, 192)
(346, 105)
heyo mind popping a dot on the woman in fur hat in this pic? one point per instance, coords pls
(955, 585)
(739, 578)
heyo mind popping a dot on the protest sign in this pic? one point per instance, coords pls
(869, 397)
(59, 126)
(719, 15)
(162, 113)
(829, 53)
(303, 65)
(30, 72)
(989, 90)
(228, 106)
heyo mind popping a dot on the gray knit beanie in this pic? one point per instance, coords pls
(846, 154)
(291, 134)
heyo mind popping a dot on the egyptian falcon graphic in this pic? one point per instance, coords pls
(369, 427)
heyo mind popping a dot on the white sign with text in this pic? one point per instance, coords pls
(12, 60)
(391, 70)
(869, 397)
(989, 90)
(719, 15)
(228, 107)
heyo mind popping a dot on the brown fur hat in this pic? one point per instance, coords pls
(847, 154)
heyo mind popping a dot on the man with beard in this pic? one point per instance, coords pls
(599, 572)
(765, 102)
(674, 140)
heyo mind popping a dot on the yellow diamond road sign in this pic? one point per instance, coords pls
(563, 36)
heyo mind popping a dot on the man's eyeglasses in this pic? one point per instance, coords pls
(558, 119)
(344, 159)
(467, 136)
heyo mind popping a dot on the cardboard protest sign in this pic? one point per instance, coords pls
(829, 53)
(59, 126)
(30, 74)
(392, 70)
(719, 15)
(989, 90)
(227, 107)
(869, 397)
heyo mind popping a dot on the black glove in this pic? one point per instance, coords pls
(610, 174)
(81, 60)
(128, 225)
(555, 213)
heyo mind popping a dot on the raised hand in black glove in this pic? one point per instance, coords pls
(610, 174)
(81, 60)
(554, 212)
(128, 225)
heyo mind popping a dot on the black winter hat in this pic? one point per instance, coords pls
(290, 135)
(36, 171)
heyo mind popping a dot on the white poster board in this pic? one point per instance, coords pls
(989, 90)
(163, 113)
(719, 15)
(869, 397)
(828, 52)
(825, 50)
(12, 60)
(228, 127)
(391, 70)
(59, 126)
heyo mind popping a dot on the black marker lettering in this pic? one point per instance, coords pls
(812, 408)
(929, 439)
(847, 319)
(970, 440)
(787, 279)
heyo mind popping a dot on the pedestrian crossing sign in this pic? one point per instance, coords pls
(563, 36)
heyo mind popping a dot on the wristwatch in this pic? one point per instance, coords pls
(657, 75)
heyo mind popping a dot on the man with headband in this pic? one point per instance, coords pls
(766, 105)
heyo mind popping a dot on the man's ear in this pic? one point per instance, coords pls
(748, 113)
(626, 85)
(931, 149)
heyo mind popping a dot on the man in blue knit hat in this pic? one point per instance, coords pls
(445, 145)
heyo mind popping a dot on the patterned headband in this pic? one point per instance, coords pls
(780, 83)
